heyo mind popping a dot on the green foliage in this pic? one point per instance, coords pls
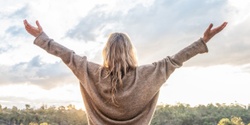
(210, 114)
(180, 114)
(43, 116)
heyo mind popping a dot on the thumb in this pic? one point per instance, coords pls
(209, 28)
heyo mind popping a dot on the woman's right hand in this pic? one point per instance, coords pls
(34, 31)
(209, 33)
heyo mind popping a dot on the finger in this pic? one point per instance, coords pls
(25, 22)
(221, 27)
(224, 25)
(38, 25)
(209, 28)
(27, 25)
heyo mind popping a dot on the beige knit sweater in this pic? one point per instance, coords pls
(137, 100)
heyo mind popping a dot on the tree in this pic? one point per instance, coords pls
(180, 114)
(27, 106)
(237, 121)
(234, 121)
(225, 121)
(70, 107)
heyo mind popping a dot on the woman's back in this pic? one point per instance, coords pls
(136, 99)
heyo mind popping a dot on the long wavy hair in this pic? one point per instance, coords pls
(119, 57)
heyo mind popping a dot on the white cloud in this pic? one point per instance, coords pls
(165, 26)
(38, 73)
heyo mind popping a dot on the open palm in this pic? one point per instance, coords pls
(34, 31)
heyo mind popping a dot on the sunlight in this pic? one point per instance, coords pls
(240, 10)
(22, 94)
(206, 85)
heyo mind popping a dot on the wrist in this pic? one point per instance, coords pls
(205, 39)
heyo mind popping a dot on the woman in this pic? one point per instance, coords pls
(119, 92)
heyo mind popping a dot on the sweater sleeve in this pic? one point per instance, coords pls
(68, 56)
(190, 51)
(162, 69)
(153, 76)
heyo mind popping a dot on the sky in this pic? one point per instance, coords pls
(157, 28)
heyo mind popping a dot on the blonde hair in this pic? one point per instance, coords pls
(118, 58)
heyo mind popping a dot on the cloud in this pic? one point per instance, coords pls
(20, 102)
(5, 48)
(92, 25)
(161, 18)
(11, 25)
(158, 30)
(45, 75)
(16, 30)
(20, 13)
(165, 27)
(22, 94)
(246, 68)
(11, 19)
(14, 12)
(4, 45)
(232, 48)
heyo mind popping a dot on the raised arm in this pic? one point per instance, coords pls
(68, 56)
(43, 41)
(198, 46)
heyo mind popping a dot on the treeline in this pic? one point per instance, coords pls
(44, 115)
(180, 114)
(218, 114)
